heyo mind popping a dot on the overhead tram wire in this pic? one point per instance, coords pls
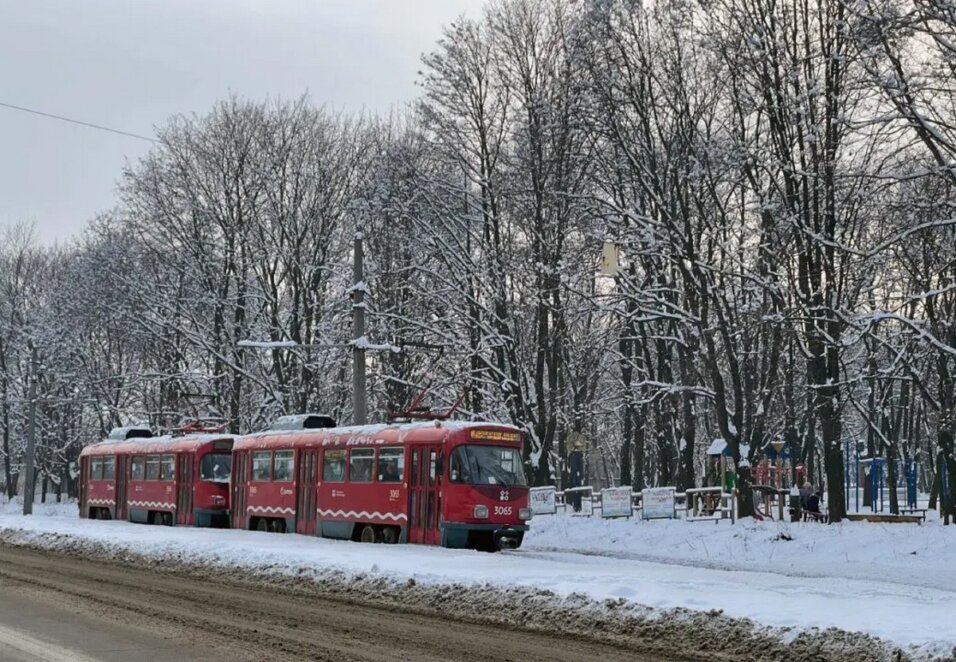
(89, 125)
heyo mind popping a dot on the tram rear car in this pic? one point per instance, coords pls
(157, 480)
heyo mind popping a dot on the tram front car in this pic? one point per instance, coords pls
(486, 493)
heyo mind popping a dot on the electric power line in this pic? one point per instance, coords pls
(80, 122)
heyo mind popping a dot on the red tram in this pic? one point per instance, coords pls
(438, 483)
(157, 480)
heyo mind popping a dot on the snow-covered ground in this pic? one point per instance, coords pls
(896, 582)
(907, 554)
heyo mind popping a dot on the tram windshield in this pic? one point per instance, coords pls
(474, 464)
(216, 467)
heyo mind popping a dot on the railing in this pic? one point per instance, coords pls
(581, 500)
(696, 504)
(709, 503)
(771, 502)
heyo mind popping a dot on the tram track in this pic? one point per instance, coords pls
(253, 622)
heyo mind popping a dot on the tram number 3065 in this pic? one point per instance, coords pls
(503, 510)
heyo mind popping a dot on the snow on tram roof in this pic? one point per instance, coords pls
(375, 429)
(181, 442)
(169, 442)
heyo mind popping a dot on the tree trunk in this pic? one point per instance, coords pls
(640, 431)
(745, 492)
(891, 479)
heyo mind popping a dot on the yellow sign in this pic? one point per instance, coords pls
(495, 435)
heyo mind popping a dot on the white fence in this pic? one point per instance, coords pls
(697, 504)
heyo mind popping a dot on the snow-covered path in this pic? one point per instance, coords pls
(911, 615)
(908, 615)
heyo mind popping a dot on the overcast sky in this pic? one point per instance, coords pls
(130, 64)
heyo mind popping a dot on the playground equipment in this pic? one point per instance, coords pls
(775, 468)
(774, 476)
(720, 466)
(771, 502)
(709, 503)
(871, 472)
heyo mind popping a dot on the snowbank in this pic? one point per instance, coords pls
(908, 554)
(816, 580)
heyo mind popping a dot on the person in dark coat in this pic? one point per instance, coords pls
(813, 503)
(805, 493)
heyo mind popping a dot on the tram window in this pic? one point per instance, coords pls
(261, 464)
(333, 466)
(283, 465)
(458, 471)
(432, 467)
(137, 468)
(167, 467)
(96, 468)
(360, 467)
(215, 467)
(152, 467)
(109, 468)
(391, 465)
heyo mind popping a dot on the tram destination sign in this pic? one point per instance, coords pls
(495, 435)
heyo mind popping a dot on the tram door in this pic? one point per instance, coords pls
(184, 495)
(122, 474)
(424, 505)
(305, 492)
(237, 504)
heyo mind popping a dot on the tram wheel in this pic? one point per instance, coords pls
(369, 534)
(277, 525)
(262, 524)
(167, 519)
(389, 535)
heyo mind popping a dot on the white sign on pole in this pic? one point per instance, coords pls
(616, 502)
(610, 258)
(658, 503)
(543, 500)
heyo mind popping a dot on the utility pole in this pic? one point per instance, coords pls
(359, 403)
(28, 487)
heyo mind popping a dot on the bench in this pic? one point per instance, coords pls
(885, 518)
(913, 511)
(809, 516)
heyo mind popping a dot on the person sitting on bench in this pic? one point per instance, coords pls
(805, 493)
(813, 505)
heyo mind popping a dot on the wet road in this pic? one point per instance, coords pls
(56, 607)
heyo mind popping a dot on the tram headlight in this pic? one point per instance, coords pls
(525, 514)
(481, 512)
(218, 500)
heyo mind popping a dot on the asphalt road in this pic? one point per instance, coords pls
(56, 607)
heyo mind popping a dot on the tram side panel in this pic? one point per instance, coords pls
(362, 494)
(270, 494)
(152, 489)
(98, 473)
